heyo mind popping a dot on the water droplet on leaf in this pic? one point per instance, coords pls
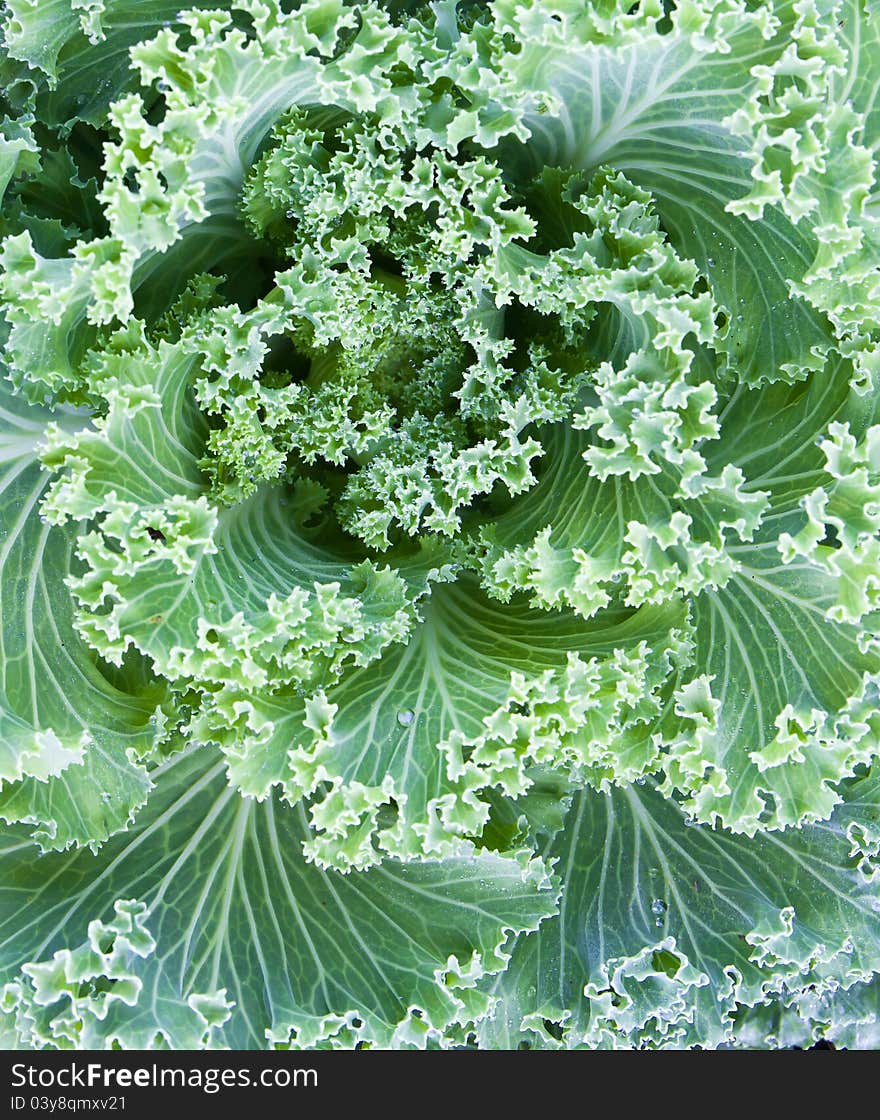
(406, 717)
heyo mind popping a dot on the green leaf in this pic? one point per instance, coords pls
(666, 930)
(70, 41)
(240, 921)
(18, 153)
(654, 106)
(175, 185)
(216, 595)
(785, 705)
(586, 541)
(69, 738)
(811, 129)
(844, 1016)
(479, 697)
(778, 707)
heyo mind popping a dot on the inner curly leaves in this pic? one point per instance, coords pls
(418, 330)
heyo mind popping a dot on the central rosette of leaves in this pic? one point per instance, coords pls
(404, 355)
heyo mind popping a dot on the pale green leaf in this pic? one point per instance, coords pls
(302, 956)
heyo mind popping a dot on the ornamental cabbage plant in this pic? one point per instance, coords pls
(440, 497)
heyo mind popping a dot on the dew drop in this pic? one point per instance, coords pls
(658, 907)
(711, 262)
(406, 717)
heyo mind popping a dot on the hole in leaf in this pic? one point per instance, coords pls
(283, 363)
(157, 110)
(831, 538)
(86, 144)
(666, 962)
